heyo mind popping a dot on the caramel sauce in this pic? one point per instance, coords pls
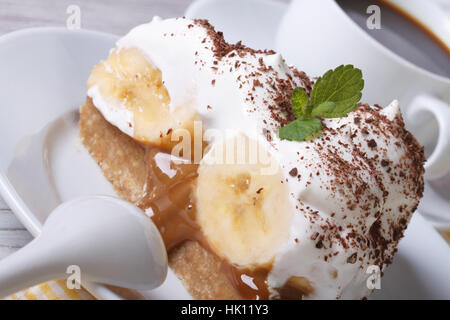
(295, 288)
(251, 284)
(169, 192)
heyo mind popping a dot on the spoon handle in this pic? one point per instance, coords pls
(26, 268)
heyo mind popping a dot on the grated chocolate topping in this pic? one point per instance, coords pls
(353, 162)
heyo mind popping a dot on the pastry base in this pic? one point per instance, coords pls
(122, 160)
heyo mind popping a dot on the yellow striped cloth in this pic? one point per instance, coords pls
(53, 290)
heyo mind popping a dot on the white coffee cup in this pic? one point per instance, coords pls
(318, 35)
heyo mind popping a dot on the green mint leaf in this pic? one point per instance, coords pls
(299, 102)
(342, 86)
(334, 95)
(323, 108)
(300, 130)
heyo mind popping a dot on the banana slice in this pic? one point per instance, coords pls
(244, 213)
(126, 79)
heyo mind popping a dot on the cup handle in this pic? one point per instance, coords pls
(429, 120)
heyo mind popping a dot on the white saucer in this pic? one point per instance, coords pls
(42, 162)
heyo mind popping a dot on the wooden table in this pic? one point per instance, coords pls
(102, 15)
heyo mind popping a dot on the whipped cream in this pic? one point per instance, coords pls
(358, 186)
(352, 191)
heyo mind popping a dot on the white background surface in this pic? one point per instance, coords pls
(112, 16)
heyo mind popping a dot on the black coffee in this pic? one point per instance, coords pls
(402, 35)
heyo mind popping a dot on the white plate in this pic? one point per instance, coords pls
(42, 162)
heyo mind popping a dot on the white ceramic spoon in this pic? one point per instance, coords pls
(110, 240)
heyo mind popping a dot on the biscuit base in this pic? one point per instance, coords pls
(122, 160)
